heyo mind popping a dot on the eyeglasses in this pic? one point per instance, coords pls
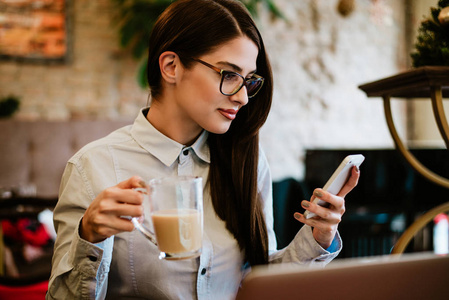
(232, 82)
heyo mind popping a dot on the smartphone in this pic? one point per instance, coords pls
(338, 179)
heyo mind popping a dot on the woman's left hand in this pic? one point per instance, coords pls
(326, 221)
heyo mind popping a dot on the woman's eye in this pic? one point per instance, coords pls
(230, 77)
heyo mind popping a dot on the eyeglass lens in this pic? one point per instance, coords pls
(232, 82)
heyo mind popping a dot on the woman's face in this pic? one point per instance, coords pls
(198, 91)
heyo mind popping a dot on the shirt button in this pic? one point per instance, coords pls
(185, 152)
(203, 271)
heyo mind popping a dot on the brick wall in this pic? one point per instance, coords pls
(319, 58)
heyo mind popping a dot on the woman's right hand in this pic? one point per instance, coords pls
(103, 217)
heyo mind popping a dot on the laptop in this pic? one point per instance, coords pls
(407, 276)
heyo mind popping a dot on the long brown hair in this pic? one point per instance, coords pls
(192, 28)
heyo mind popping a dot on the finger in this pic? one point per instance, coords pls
(327, 197)
(108, 209)
(122, 224)
(124, 209)
(351, 183)
(312, 222)
(114, 226)
(321, 212)
(131, 183)
(128, 196)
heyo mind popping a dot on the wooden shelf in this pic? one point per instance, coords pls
(415, 83)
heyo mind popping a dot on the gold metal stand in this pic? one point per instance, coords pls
(419, 224)
(411, 159)
(422, 82)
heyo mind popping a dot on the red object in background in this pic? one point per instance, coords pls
(441, 217)
(27, 231)
(35, 291)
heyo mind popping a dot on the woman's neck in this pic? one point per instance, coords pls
(168, 120)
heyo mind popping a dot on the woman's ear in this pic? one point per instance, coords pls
(169, 64)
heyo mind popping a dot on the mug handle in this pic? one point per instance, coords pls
(137, 222)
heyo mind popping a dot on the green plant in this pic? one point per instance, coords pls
(135, 18)
(432, 44)
(8, 106)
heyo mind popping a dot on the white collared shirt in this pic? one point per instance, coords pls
(127, 265)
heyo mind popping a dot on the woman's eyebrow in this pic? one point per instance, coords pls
(234, 67)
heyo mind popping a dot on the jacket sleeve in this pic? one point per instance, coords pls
(79, 268)
(303, 249)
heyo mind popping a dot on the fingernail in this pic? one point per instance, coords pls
(318, 194)
(142, 183)
(305, 204)
(297, 216)
(357, 169)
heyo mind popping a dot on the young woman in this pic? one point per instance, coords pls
(211, 88)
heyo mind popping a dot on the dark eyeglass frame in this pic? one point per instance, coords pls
(245, 82)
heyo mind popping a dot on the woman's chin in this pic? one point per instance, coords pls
(220, 129)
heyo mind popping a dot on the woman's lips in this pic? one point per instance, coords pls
(229, 113)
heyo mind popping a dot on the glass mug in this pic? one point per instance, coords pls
(175, 209)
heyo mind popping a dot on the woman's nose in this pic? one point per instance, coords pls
(240, 97)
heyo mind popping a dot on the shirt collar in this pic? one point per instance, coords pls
(201, 148)
(161, 146)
